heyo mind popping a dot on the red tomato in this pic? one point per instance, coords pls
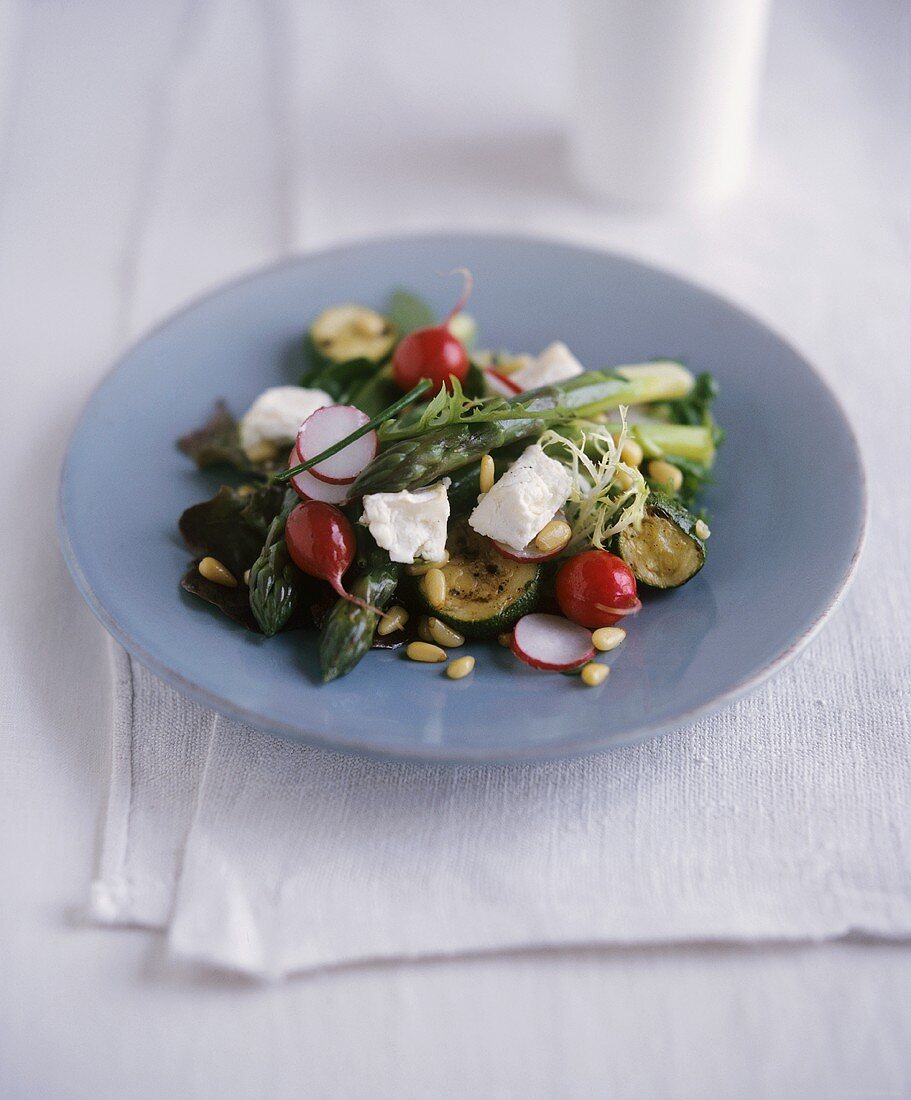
(432, 353)
(596, 588)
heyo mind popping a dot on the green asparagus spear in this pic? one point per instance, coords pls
(275, 581)
(348, 631)
(424, 459)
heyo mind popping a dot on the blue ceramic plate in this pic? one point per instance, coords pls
(788, 507)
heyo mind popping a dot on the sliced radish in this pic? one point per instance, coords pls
(551, 642)
(529, 554)
(500, 384)
(327, 426)
(309, 487)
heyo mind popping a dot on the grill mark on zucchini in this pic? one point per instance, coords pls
(664, 551)
(486, 593)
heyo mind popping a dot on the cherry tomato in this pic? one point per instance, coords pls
(596, 588)
(432, 353)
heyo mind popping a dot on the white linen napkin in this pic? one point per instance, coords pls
(784, 817)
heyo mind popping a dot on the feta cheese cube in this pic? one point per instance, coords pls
(277, 413)
(524, 500)
(409, 525)
(556, 363)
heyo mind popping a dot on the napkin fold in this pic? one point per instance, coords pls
(784, 817)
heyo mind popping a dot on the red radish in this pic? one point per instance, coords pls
(596, 588)
(552, 643)
(322, 543)
(501, 384)
(434, 352)
(309, 487)
(330, 425)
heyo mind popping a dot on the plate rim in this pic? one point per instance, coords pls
(429, 754)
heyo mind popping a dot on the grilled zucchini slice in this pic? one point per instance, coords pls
(664, 551)
(486, 594)
(346, 332)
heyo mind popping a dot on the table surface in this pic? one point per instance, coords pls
(148, 152)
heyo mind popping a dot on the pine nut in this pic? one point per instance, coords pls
(606, 638)
(623, 480)
(214, 571)
(553, 536)
(460, 667)
(434, 583)
(246, 576)
(394, 619)
(505, 640)
(666, 474)
(593, 675)
(702, 529)
(419, 568)
(444, 635)
(631, 453)
(424, 629)
(264, 451)
(425, 652)
(487, 474)
(509, 364)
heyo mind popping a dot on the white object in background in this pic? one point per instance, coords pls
(665, 97)
(556, 363)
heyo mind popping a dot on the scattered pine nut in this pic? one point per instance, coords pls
(435, 587)
(487, 474)
(702, 529)
(394, 619)
(509, 364)
(263, 451)
(444, 635)
(666, 474)
(606, 638)
(425, 652)
(460, 667)
(594, 674)
(424, 629)
(214, 571)
(631, 453)
(246, 576)
(553, 536)
(623, 480)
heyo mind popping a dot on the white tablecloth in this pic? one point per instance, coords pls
(151, 151)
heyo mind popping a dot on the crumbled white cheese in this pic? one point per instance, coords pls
(524, 500)
(556, 363)
(409, 525)
(277, 413)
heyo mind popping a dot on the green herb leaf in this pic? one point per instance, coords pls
(230, 526)
(340, 380)
(408, 313)
(232, 602)
(217, 442)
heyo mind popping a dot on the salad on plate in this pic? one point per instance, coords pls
(414, 492)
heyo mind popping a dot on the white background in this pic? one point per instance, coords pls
(148, 152)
